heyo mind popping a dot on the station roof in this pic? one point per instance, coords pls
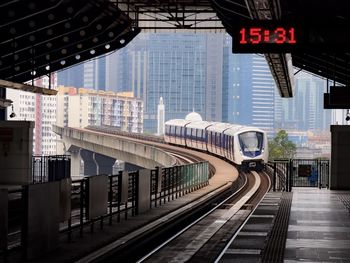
(332, 63)
(39, 37)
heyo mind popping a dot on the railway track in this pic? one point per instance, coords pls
(202, 235)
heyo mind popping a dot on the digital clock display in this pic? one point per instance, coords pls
(266, 36)
(259, 35)
(281, 36)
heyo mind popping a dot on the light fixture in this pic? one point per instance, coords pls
(13, 114)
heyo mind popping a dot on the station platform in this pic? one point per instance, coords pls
(318, 229)
(92, 244)
(319, 226)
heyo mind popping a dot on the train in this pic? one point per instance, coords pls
(245, 146)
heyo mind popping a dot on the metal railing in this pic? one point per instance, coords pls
(166, 184)
(170, 183)
(50, 168)
(288, 173)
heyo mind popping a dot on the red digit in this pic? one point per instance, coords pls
(255, 36)
(292, 36)
(243, 39)
(281, 37)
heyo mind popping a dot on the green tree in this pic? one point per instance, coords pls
(281, 147)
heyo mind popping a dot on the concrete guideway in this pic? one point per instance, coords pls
(121, 148)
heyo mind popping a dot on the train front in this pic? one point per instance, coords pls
(253, 148)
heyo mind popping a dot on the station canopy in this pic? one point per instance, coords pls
(39, 37)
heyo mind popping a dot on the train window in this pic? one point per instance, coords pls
(232, 144)
(180, 131)
(167, 129)
(251, 143)
(188, 132)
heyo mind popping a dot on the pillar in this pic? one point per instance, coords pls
(90, 165)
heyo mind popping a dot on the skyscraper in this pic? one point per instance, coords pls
(305, 111)
(184, 69)
(91, 75)
(250, 90)
(73, 76)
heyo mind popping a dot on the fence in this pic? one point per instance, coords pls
(299, 173)
(50, 168)
(170, 183)
(122, 191)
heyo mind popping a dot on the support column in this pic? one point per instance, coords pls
(90, 166)
(340, 169)
(75, 162)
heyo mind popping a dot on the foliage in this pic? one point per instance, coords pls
(281, 147)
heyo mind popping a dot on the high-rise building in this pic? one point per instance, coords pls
(250, 90)
(38, 108)
(184, 69)
(91, 75)
(95, 74)
(73, 76)
(305, 110)
(82, 107)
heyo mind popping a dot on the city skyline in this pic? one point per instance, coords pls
(227, 87)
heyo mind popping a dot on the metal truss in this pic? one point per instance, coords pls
(171, 15)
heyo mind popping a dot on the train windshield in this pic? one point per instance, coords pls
(251, 143)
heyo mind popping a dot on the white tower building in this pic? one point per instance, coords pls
(160, 117)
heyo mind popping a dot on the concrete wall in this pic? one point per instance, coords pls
(119, 148)
(41, 230)
(340, 159)
(16, 149)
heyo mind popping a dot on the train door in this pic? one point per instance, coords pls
(231, 148)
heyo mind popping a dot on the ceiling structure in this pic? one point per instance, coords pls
(39, 37)
(206, 14)
(333, 63)
(158, 15)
